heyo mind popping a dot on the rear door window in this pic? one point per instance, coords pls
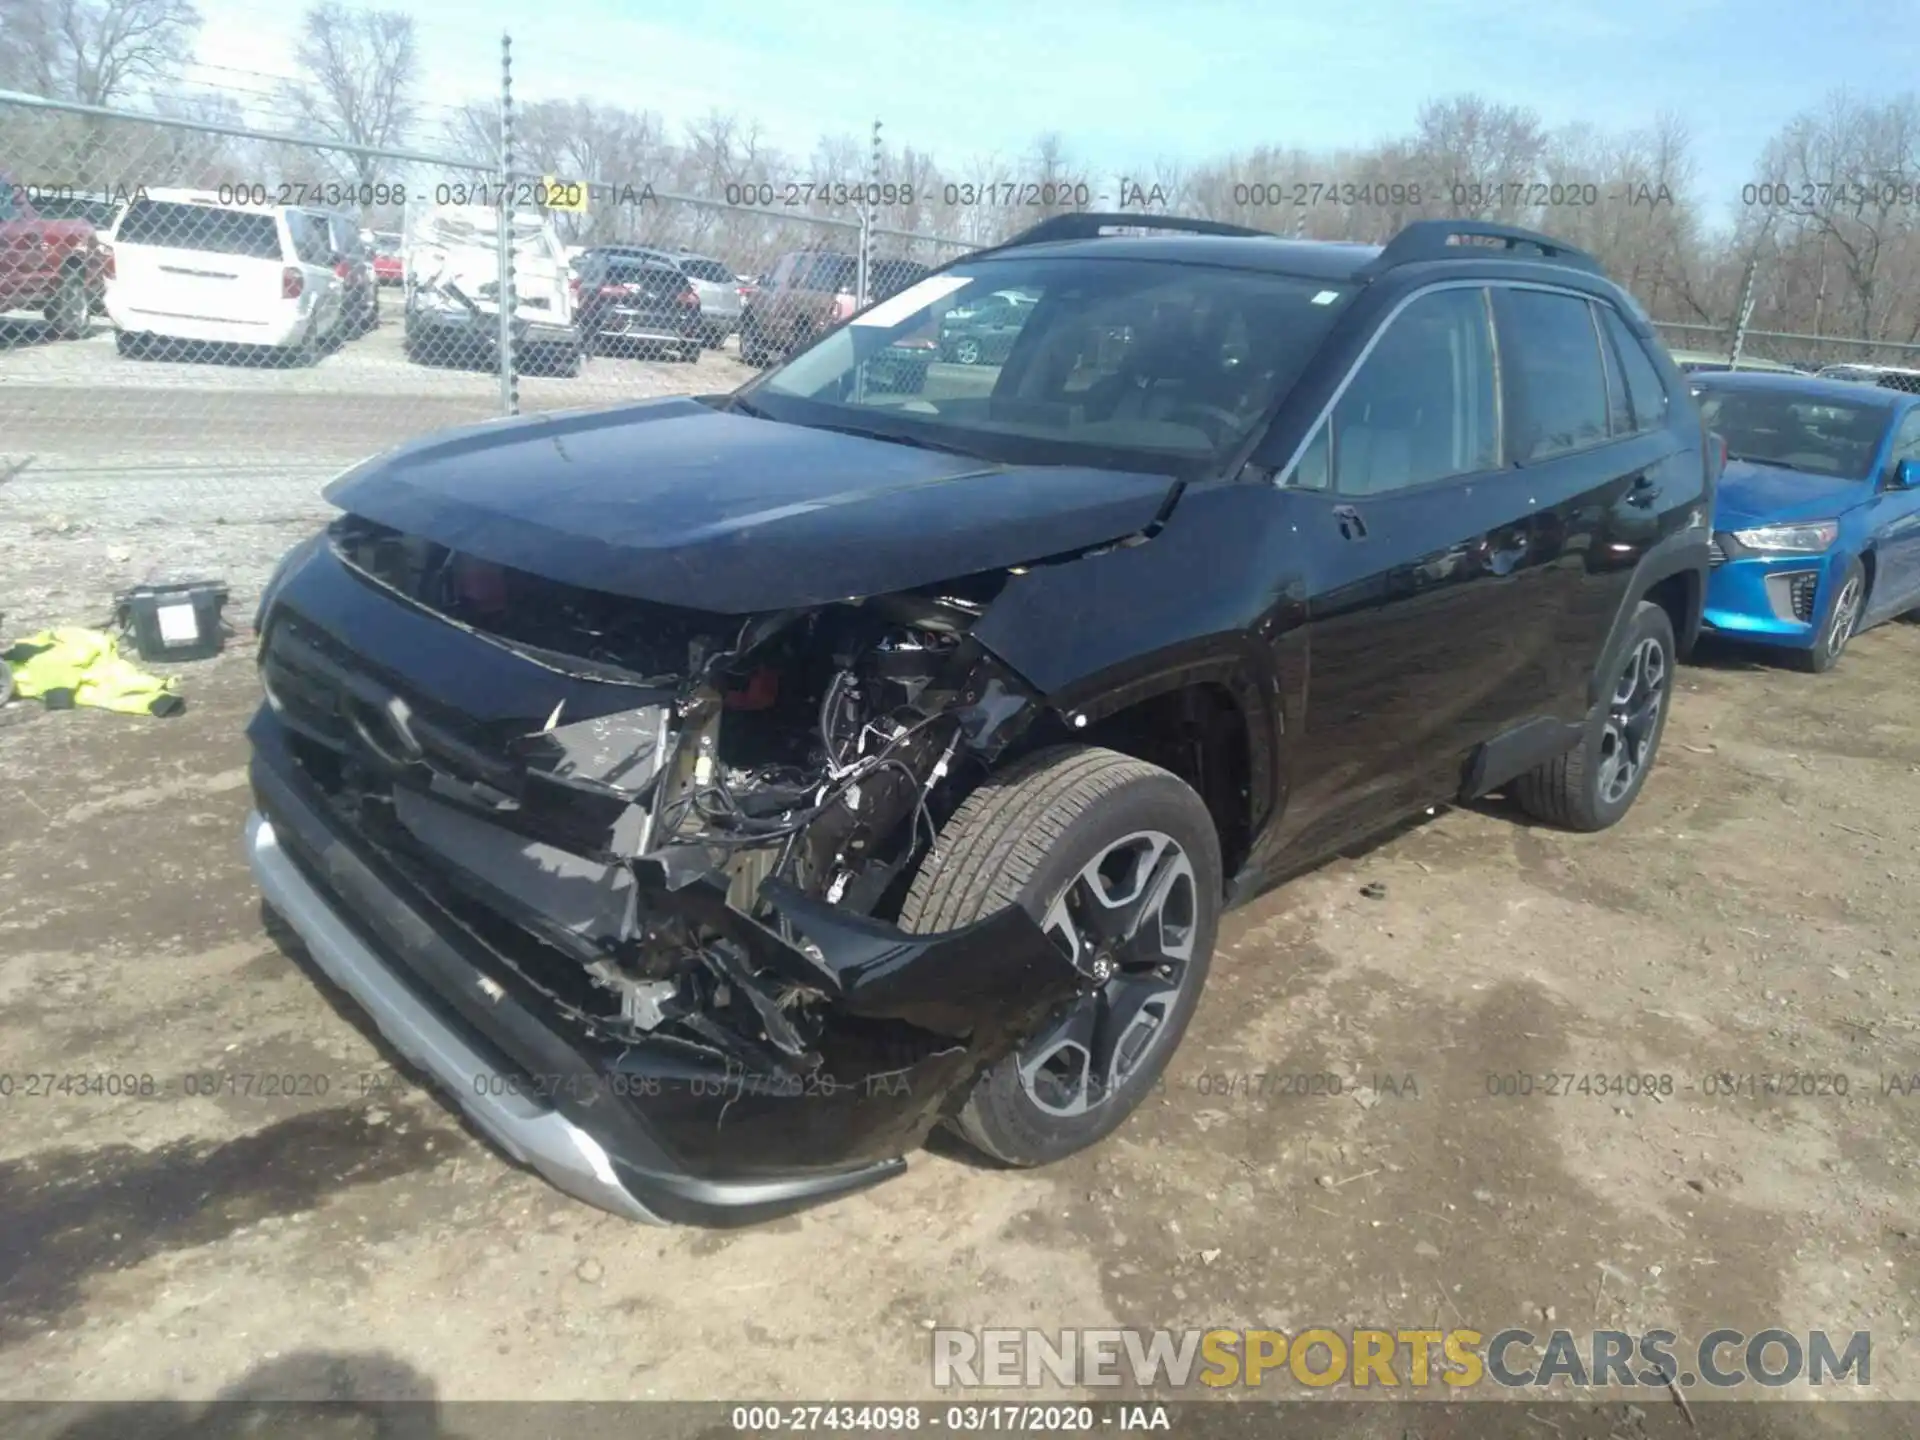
(210, 229)
(312, 239)
(1556, 380)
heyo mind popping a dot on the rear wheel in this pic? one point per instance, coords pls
(72, 308)
(967, 352)
(1593, 785)
(1119, 862)
(1841, 623)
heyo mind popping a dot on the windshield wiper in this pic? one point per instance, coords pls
(746, 407)
(1759, 460)
(889, 436)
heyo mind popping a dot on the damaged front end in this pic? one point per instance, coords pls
(669, 846)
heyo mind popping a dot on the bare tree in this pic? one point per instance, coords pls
(96, 52)
(362, 67)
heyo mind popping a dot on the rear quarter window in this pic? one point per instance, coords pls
(1645, 394)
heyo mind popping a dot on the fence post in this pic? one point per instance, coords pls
(1746, 313)
(868, 200)
(509, 383)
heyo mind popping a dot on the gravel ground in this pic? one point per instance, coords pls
(1754, 915)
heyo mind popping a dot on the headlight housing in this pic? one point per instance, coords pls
(288, 563)
(1807, 539)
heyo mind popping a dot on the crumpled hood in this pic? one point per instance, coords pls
(674, 502)
(1751, 495)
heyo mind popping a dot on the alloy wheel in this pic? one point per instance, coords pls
(1128, 921)
(967, 352)
(1633, 716)
(1846, 615)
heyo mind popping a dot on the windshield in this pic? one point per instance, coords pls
(1125, 364)
(1796, 432)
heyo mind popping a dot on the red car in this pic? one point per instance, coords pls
(388, 267)
(54, 266)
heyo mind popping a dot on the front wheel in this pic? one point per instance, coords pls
(1119, 862)
(1842, 621)
(1593, 785)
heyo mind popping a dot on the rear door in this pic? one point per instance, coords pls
(1417, 579)
(1594, 472)
(199, 261)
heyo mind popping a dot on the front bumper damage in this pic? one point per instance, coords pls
(859, 1037)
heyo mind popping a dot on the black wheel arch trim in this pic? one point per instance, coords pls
(1682, 553)
(1249, 682)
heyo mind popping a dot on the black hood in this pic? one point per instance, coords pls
(675, 502)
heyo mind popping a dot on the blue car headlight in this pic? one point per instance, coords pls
(1808, 539)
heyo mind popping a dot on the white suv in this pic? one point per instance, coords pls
(186, 266)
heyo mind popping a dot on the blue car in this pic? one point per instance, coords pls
(1817, 520)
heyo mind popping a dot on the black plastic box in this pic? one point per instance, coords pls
(175, 622)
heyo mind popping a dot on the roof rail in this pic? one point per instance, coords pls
(1435, 240)
(1092, 224)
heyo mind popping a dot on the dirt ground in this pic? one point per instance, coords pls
(1755, 914)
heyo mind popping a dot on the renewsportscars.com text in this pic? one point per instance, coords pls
(1722, 1359)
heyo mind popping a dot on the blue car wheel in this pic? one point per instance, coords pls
(1842, 620)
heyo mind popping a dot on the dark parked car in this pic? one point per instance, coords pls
(360, 298)
(625, 301)
(808, 293)
(717, 793)
(985, 332)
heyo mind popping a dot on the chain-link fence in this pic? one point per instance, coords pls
(201, 322)
(221, 296)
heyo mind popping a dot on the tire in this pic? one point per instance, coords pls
(1841, 622)
(72, 309)
(967, 352)
(304, 352)
(1584, 789)
(1032, 836)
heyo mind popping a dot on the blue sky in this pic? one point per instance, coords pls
(1127, 81)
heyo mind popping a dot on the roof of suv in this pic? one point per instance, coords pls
(1085, 235)
(1317, 259)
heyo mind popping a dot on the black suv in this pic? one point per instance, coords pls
(717, 793)
(628, 300)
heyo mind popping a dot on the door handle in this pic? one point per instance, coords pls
(1352, 527)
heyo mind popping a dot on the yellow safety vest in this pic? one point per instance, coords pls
(69, 667)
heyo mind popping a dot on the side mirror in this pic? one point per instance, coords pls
(1905, 476)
